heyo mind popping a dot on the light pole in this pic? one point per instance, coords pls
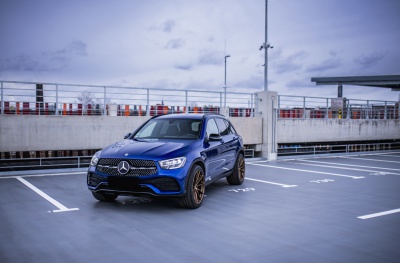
(265, 46)
(227, 56)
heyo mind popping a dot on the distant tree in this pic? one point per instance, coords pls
(86, 98)
(192, 104)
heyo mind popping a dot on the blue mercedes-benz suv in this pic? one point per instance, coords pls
(174, 155)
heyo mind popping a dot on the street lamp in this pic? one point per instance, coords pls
(227, 56)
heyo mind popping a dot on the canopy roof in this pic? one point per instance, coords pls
(384, 81)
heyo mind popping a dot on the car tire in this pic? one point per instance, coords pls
(195, 188)
(239, 171)
(105, 197)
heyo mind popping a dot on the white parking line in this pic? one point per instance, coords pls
(375, 160)
(61, 207)
(308, 171)
(38, 175)
(380, 214)
(267, 182)
(351, 165)
(344, 168)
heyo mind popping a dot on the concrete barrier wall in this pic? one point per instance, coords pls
(37, 133)
(42, 133)
(45, 133)
(324, 130)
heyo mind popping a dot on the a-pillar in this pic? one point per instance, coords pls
(267, 102)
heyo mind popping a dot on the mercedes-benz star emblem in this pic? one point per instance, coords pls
(123, 167)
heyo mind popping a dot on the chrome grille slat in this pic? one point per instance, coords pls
(138, 167)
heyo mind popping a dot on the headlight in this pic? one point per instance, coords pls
(172, 163)
(95, 159)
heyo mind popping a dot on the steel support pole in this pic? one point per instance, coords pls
(57, 100)
(2, 102)
(105, 99)
(148, 104)
(266, 48)
(227, 56)
(186, 101)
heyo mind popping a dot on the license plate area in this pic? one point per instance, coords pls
(123, 183)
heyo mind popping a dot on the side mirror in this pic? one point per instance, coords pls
(214, 137)
(127, 135)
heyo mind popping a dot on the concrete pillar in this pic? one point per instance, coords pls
(340, 90)
(268, 101)
(224, 111)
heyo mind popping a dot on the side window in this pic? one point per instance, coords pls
(222, 127)
(211, 127)
(230, 127)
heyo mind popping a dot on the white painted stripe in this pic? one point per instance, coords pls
(267, 182)
(346, 168)
(38, 175)
(374, 160)
(382, 153)
(380, 214)
(61, 207)
(260, 161)
(352, 165)
(309, 171)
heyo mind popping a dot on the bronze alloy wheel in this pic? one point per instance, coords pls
(195, 188)
(239, 171)
(241, 168)
(198, 186)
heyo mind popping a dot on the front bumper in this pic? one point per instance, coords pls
(167, 183)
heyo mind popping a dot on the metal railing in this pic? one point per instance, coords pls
(72, 99)
(335, 149)
(341, 108)
(44, 163)
(16, 164)
(33, 98)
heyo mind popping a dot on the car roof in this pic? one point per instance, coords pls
(187, 116)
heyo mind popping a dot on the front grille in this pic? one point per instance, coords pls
(94, 180)
(166, 184)
(138, 167)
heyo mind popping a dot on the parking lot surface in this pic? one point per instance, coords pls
(330, 209)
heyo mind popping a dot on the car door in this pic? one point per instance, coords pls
(229, 139)
(212, 151)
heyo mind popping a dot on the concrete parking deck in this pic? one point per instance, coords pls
(331, 209)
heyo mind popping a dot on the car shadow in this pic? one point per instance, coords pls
(158, 204)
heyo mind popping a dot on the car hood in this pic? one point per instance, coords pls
(154, 149)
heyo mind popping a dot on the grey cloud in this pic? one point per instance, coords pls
(253, 82)
(168, 26)
(286, 67)
(22, 62)
(291, 63)
(200, 85)
(175, 43)
(369, 61)
(184, 66)
(298, 83)
(210, 58)
(301, 55)
(75, 48)
(48, 61)
(331, 63)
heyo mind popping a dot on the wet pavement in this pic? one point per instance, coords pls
(331, 209)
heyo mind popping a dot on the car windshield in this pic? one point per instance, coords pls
(188, 129)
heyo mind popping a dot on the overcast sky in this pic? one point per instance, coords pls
(181, 44)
